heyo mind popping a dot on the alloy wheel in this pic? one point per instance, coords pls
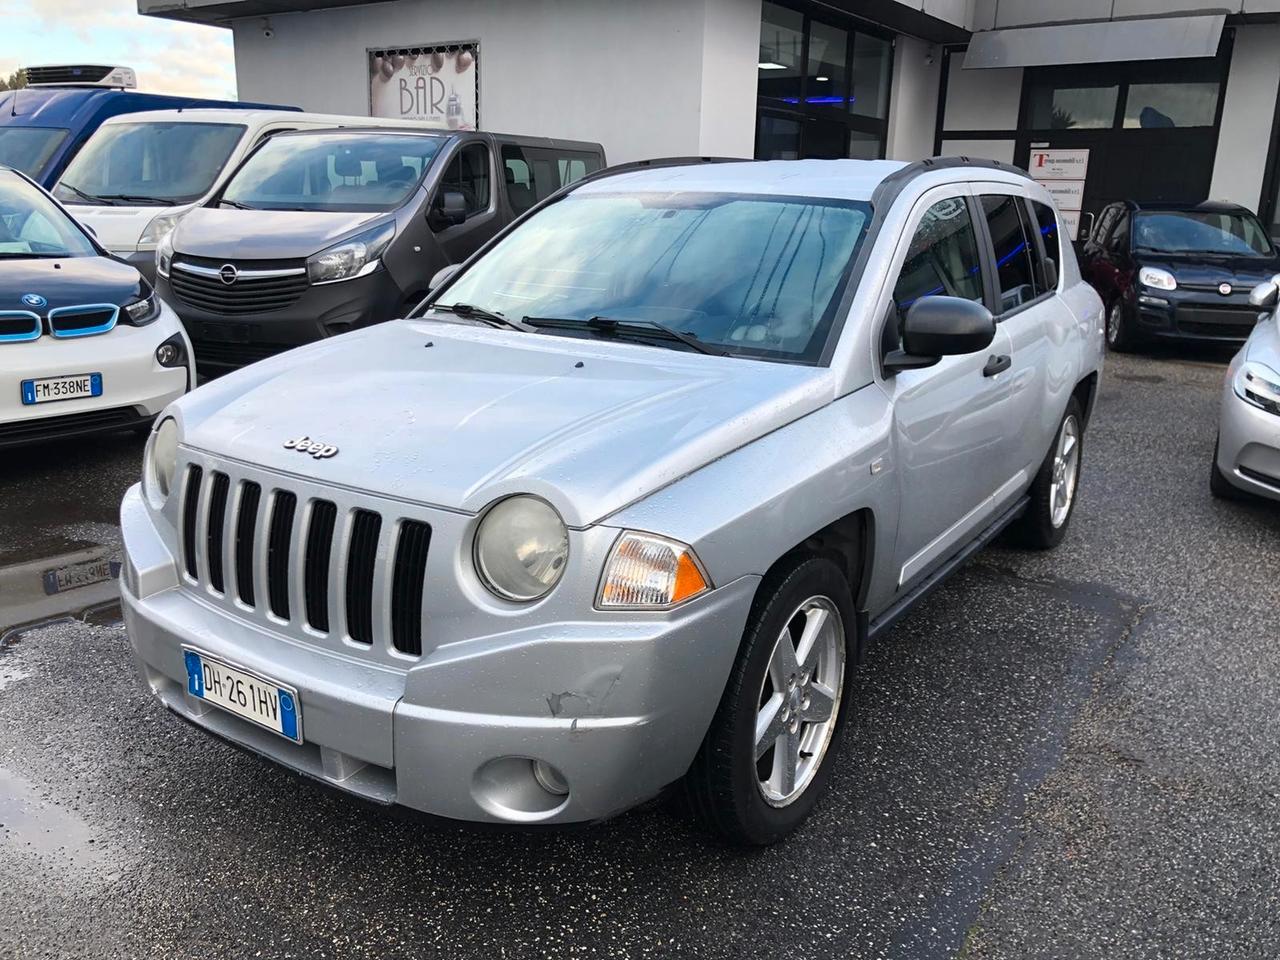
(1066, 469)
(1115, 321)
(799, 701)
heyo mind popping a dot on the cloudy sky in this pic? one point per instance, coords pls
(169, 57)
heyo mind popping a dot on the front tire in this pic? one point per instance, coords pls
(1053, 492)
(1121, 336)
(768, 754)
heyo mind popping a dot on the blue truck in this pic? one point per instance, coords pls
(44, 125)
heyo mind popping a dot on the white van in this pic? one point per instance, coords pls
(140, 172)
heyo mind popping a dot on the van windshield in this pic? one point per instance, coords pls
(745, 274)
(148, 163)
(347, 172)
(1228, 233)
(32, 225)
(29, 148)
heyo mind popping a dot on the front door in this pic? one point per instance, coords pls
(468, 172)
(952, 450)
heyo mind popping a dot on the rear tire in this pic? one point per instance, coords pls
(1121, 336)
(1053, 492)
(1219, 485)
(788, 682)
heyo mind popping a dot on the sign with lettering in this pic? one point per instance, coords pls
(1062, 171)
(438, 85)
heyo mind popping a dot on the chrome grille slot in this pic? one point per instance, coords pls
(278, 539)
(217, 518)
(408, 579)
(246, 528)
(316, 565)
(190, 515)
(366, 527)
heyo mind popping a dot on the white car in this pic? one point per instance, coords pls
(86, 346)
(141, 172)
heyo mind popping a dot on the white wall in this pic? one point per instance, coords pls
(982, 99)
(646, 79)
(1001, 150)
(1247, 114)
(913, 99)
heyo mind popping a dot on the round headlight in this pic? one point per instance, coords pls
(162, 460)
(521, 548)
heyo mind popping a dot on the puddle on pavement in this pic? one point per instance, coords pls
(34, 826)
(56, 578)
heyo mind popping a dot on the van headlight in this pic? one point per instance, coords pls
(164, 254)
(646, 572)
(158, 228)
(521, 549)
(1157, 279)
(354, 257)
(1258, 384)
(160, 462)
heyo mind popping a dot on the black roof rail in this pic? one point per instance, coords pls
(653, 164)
(892, 185)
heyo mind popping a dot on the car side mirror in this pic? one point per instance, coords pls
(937, 327)
(1085, 232)
(1266, 294)
(1049, 273)
(443, 274)
(452, 208)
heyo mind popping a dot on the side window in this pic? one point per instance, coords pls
(468, 174)
(941, 261)
(1013, 258)
(1047, 224)
(521, 190)
(1119, 239)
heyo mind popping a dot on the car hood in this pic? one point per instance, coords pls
(457, 416)
(1243, 274)
(67, 282)
(118, 228)
(231, 234)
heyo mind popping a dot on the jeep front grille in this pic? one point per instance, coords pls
(293, 557)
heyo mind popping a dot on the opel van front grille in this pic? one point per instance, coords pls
(293, 557)
(237, 288)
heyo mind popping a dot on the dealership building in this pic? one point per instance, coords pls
(1051, 85)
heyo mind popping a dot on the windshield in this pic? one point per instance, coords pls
(750, 274)
(349, 172)
(148, 163)
(1195, 231)
(29, 148)
(32, 225)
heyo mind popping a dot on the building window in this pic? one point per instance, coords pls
(1073, 108)
(823, 87)
(1171, 105)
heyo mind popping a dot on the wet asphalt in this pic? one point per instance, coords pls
(1071, 754)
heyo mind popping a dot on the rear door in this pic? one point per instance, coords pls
(950, 429)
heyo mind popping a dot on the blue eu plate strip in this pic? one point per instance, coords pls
(195, 674)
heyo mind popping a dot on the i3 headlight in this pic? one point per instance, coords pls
(159, 227)
(354, 257)
(646, 572)
(1157, 279)
(521, 549)
(1258, 384)
(143, 310)
(164, 254)
(160, 463)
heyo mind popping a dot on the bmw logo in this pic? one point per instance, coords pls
(34, 300)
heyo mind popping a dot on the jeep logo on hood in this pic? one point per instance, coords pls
(304, 444)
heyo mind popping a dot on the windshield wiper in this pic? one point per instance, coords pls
(136, 198)
(608, 327)
(13, 255)
(88, 197)
(471, 312)
(224, 202)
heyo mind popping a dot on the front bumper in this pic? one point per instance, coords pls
(134, 386)
(1249, 445)
(619, 705)
(226, 341)
(1195, 315)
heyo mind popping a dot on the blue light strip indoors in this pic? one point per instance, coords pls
(84, 308)
(32, 334)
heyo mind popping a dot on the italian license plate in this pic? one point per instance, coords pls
(75, 386)
(79, 575)
(257, 699)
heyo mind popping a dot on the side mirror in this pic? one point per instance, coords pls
(1265, 295)
(452, 208)
(443, 274)
(1084, 232)
(937, 327)
(1049, 274)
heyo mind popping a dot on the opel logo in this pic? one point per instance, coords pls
(34, 300)
(1224, 288)
(228, 273)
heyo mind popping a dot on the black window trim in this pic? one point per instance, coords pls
(988, 251)
(446, 157)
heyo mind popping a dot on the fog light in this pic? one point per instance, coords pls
(550, 779)
(172, 353)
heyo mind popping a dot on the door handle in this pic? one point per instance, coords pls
(997, 364)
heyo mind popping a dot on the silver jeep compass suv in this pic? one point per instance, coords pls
(618, 507)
